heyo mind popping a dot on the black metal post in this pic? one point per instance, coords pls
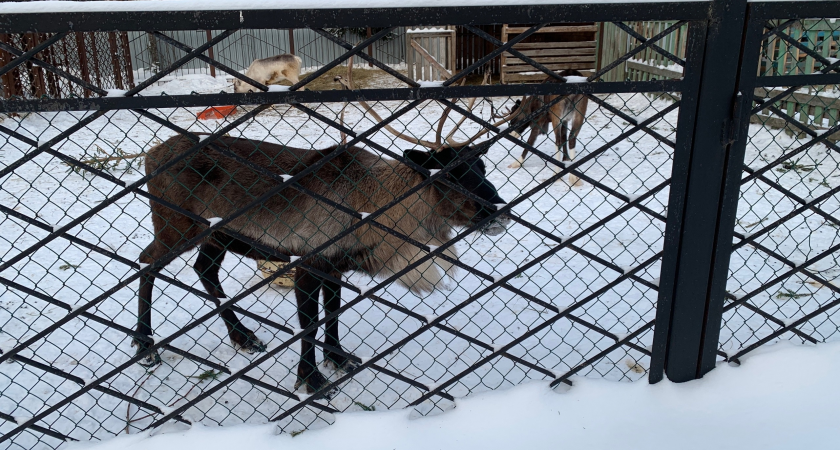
(703, 199)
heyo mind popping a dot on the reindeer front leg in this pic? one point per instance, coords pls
(307, 290)
(559, 127)
(568, 152)
(531, 139)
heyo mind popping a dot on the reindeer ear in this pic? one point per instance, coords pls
(421, 158)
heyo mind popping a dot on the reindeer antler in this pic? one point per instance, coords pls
(439, 143)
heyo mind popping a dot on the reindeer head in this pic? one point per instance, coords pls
(471, 176)
(241, 87)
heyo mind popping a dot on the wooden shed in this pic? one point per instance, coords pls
(558, 47)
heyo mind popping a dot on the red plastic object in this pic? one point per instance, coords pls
(216, 112)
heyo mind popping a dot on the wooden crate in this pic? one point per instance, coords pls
(560, 47)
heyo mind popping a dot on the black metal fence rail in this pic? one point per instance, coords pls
(666, 258)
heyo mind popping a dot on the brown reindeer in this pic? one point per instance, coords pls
(572, 108)
(211, 185)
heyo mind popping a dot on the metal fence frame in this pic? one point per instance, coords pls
(717, 94)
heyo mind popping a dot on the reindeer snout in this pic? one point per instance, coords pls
(498, 224)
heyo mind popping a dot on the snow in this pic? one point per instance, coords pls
(214, 220)
(44, 188)
(207, 5)
(363, 289)
(430, 84)
(783, 398)
(278, 88)
(115, 92)
(426, 30)
(576, 79)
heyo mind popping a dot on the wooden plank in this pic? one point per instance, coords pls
(801, 98)
(556, 29)
(560, 52)
(541, 45)
(552, 59)
(573, 65)
(647, 68)
(502, 73)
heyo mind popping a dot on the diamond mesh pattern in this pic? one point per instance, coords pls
(567, 289)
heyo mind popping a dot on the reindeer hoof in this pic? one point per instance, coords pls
(150, 360)
(515, 165)
(340, 363)
(574, 180)
(314, 382)
(247, 342)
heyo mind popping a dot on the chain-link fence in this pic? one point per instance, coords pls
(166, 249)
(784, 271)
(101, 59)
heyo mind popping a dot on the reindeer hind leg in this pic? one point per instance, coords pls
(332, 301)
(207, 266)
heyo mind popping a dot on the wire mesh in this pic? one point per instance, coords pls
(95, 57)
(553, 276)
(784, 268)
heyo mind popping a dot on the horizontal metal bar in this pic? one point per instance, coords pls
(816, 79)
(765, 10)
(46, 22)
(336, 96)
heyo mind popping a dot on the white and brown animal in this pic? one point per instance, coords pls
(210, 185)
(271, 70)
(565, 118)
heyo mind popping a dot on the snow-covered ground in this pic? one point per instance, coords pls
(783, 398)
(45, 189)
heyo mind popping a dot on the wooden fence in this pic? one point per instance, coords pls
(817, 109)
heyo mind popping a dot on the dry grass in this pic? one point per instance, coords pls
(361, 78)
